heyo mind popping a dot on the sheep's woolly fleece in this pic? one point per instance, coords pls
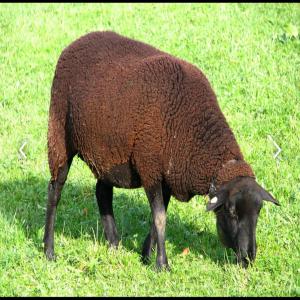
(138, 116)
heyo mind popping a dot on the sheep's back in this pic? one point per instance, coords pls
(134, 107)
(109, 99)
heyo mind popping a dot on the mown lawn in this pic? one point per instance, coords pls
(251, 55)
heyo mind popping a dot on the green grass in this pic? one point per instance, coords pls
(251, 55)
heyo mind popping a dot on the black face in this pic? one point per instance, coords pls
(236, 225)
(237, 206)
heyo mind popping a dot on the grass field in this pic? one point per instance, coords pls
(251, 55)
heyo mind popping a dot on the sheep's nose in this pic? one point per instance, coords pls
(242, 258)
(244, 261)
(252, 253)
(245, 258)
(246, 250)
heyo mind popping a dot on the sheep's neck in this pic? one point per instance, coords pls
(230, 170)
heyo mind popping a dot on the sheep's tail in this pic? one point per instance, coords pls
(59, 139)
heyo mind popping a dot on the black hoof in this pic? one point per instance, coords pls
(146, 254)
(113, 244)
(165, 268)
(145, 259)
(148, 248)
(244, 262)
(50, 255)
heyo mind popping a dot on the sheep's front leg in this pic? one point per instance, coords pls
(104, 195)
(155, 197)
(150, 241)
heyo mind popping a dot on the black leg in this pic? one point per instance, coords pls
(150, 241)
(149, 245)
(104, 195)
(54, 192)
(155, 197)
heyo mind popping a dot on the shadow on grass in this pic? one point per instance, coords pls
(24, 202)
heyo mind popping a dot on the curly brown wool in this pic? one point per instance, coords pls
(137, 116)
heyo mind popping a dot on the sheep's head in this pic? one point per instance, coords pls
(237, 205)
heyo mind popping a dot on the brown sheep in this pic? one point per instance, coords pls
(141, 117)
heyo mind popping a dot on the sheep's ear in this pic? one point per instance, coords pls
(216, 201)
(267, 196)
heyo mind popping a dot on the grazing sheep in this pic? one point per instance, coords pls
(141, 117)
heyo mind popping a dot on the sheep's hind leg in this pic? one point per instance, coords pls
(54, 192)
(150, 241)
(104, 195)
(155, 197)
